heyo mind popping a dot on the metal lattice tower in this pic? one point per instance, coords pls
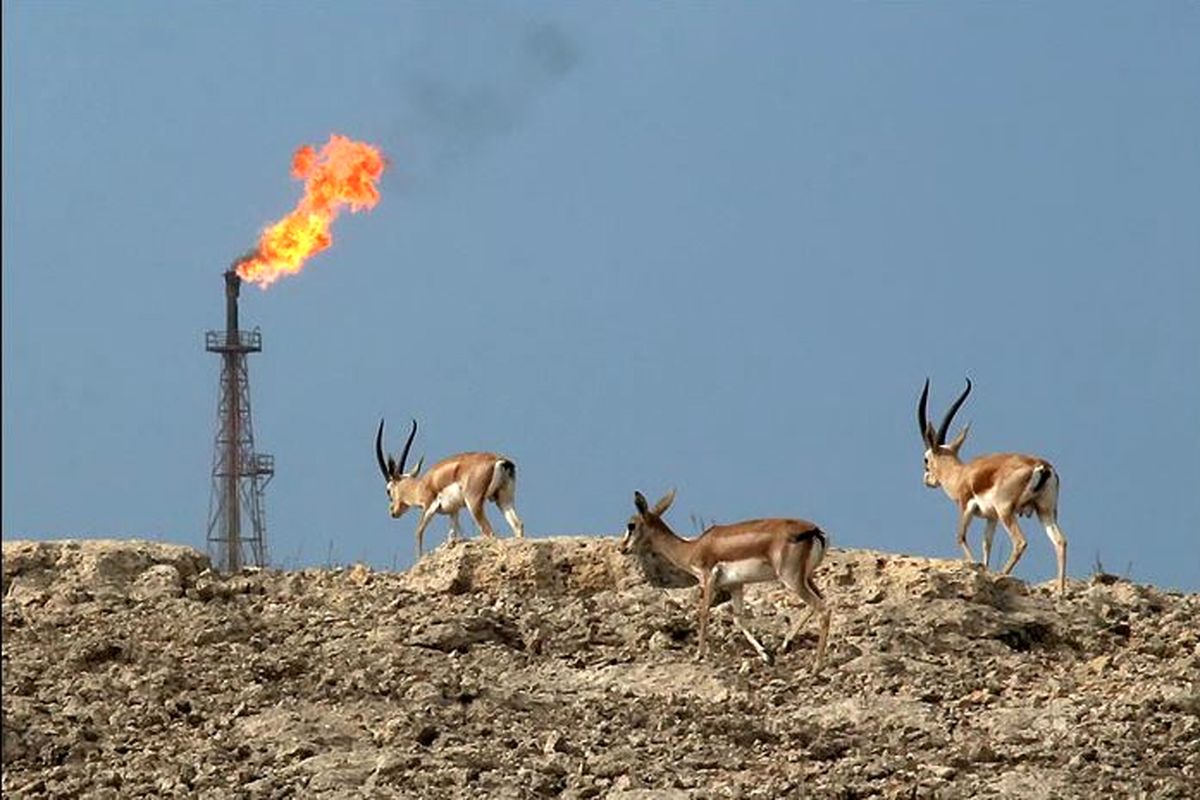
(239, 474)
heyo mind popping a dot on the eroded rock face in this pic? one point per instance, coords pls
(563, 565)
(552, 667)
(66, 572)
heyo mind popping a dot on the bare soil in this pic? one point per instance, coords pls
(556, 667)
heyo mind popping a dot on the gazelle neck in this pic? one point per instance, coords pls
(952, 477)
(412, 491)
(670, 546)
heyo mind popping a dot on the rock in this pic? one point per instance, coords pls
(71, 571)
(461, 634)
(562, 667)
(560, 565)
(389, 768)
(360, 574)
(647, 794)
(157, 582)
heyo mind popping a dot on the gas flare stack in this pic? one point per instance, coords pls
(239, 474)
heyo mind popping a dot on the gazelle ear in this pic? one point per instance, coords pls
(639, 501)
(663, 504)
(957, 441)
(417, 469)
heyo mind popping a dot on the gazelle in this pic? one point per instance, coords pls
(731, 556)
(466, 479)
(997, 487)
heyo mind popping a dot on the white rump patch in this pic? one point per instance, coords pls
(815, 555)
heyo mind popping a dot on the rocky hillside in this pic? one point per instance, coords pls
(552, 668)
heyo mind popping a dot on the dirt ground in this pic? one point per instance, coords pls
(553, 667)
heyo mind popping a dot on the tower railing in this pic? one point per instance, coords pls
(243, 342)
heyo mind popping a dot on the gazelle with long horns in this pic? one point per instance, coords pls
(466, 479)
(998, 488)
(731, 556)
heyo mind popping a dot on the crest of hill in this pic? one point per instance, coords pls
(573, 565)
(562, 667)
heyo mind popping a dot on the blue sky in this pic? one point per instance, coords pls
(711, 246)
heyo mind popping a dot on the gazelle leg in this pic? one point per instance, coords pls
(735, 598)
(964, 522)
(1059, 540)
(454, 527)
(804, 587)
(823, 640)
(707, 580)
(988, 531)
(426, 515)
(796, 626)
(1018, 541)
(510, 515)
(477, 511)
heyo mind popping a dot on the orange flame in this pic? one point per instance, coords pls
(343, 174)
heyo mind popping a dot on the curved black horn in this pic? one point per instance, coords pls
(383, 467)
(407, 445)
(922, 421)
(945, 427)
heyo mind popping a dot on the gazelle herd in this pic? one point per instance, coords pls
(999, 488)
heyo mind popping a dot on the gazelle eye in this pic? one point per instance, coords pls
(630, 527)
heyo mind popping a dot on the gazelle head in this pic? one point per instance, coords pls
(399, 482)
(645, 519)
(940, 456)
